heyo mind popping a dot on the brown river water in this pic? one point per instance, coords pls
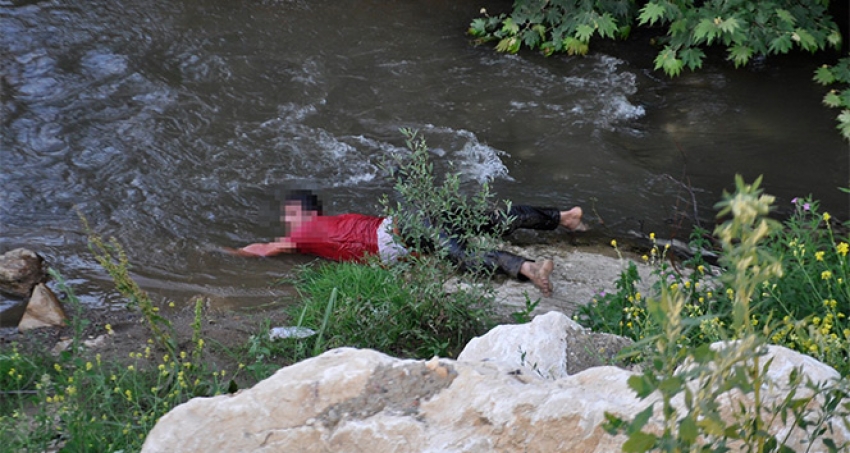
(173, 125)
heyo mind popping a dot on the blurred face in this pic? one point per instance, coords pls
(294, 216)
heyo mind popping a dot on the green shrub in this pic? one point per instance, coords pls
(407, 308)
(731, 372)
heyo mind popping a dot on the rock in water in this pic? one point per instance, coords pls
(20, 271)
(43, 310)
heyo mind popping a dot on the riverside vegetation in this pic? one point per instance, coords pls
(746, 30)
(783, 284)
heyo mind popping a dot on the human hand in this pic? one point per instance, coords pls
(236, 252)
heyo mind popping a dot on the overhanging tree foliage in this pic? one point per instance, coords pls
(744, 28)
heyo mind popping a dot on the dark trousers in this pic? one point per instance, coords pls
(521, 216)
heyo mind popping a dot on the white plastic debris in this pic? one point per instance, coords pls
(290, 332)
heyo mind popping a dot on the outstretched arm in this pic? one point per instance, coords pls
(282, 245)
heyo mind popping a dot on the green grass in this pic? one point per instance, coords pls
(386, 309)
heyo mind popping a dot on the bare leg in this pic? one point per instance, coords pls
(538, 273)
(571, 220)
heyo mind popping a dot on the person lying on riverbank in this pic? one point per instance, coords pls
(354, 237)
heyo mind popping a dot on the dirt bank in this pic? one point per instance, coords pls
(582, 270)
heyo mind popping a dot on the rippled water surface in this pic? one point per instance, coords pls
(172, 125)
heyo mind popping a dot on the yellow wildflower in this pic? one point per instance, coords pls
(613, 243)
(826, 275)
(826, 217)
(842, 248)
(819, 255)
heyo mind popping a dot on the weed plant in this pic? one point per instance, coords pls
(805, 308)
(77, 402)
(407, 308)
(692, 381)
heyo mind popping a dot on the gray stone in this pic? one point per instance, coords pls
(20, 271)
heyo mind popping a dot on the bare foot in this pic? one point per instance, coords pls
(571, 219)
(538, 273)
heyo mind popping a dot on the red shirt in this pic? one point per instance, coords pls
(346, 237)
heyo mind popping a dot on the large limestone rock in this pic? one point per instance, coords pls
(361, 400)
(20, 271)
(43, 310)
(552, 346)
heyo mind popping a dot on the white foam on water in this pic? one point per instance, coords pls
(591, 90)
(475, 161)
(286, 146)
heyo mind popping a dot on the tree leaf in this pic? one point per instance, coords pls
(607, 26)
(786, 16)
(584, 32)
(678, 27)
(834, 38)
(540, 29)
(640, 420)
(667, 61)
(574, 46)
(639, 442)
(509, 45)
(832, 99)
(530, 38)
(844, 124)
(705, 31)
(703, 354)
(740, 54)
(805, 39)
(692, 57)
(478, 27)
(712, 424)
(509, 26)
(729, 25)
(641, 386)
(824, 75)
(650, 13)
(781, 44)
(688, 429)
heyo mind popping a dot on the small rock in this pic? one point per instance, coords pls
(91, 343)
(97, 342)
(551, 346)
(20, 271)
(43, 310)
(61, 346)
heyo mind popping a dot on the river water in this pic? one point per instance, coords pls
(173, 125)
